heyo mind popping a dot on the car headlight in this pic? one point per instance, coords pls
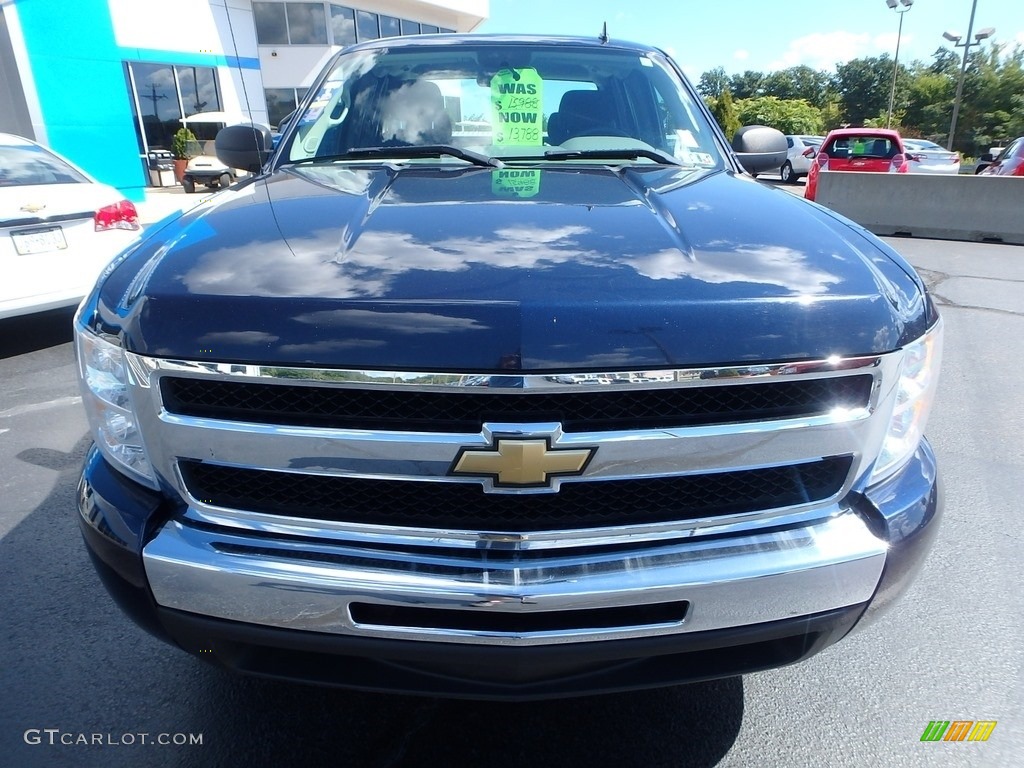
(915, 393)
(104, 379)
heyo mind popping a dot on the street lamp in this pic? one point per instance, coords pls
(896, 59)
(966, 45)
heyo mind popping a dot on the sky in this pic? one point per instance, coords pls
(747, 34)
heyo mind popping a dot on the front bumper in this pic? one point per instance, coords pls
(498, 627)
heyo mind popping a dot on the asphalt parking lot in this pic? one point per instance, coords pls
(951, 650)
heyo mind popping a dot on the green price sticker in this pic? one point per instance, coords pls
(516, 107)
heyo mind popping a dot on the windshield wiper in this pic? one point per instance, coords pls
(612, 154)
(401, 153)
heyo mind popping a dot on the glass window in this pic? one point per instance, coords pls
(428, 29)
(343, 25)
(410, 27)
(198, 89)
(367, 23)
(271, 28)
(447, 31)
(307, 24)
(23, 165)
(280, 103)
(389, 26)
(158, 103)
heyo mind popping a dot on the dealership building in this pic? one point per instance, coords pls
(105, 82)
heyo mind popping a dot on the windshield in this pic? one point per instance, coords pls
(509, 101)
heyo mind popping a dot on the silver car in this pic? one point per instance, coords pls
(797, 163)
(928, 157)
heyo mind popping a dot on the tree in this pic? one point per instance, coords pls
(713, 82)
(724, 111)
(792, 116)
(747, 85)
(863, 87)
(800, 82)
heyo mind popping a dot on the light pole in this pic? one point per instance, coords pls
(896, 59)
(966, 45)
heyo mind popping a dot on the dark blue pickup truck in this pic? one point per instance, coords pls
(501, 378)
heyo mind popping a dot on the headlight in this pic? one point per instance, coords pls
(915, 393)
(104, 378)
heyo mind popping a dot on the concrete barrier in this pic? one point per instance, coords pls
(982, 208)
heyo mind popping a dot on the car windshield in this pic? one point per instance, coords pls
(517, 102)
(27, 164)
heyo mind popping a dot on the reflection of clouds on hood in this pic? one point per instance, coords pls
(339, 263)
(317, 267)
(396, 322)
(761, 264)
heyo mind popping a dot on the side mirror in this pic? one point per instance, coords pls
(986, 157)
(246, 146)
(809, 152)
(759, 148)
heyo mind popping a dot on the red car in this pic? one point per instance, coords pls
(1010, 161)
(874, 150)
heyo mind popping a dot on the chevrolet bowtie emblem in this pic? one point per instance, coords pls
(33, 207)
(519, 463)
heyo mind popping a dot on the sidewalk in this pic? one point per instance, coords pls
(163, 201)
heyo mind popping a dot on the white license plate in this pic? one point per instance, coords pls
(29, 241)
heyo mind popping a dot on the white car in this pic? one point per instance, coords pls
(58, 228)
(798, 164)
(929, 157)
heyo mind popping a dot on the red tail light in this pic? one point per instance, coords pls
(822, 159)
(897, 161)
(120, 215)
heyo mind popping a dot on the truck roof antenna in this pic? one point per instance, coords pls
(603, 37)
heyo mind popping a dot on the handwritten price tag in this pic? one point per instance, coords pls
(516, 107)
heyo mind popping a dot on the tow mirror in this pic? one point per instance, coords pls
(246, 146)
(759, 148)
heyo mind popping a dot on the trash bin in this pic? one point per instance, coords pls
(161, 168)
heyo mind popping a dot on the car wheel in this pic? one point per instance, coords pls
(189, 185)
(786, 172)
(225, 180)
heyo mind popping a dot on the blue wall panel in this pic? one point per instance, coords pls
(80, 85)
(84, 97)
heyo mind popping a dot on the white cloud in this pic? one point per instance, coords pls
(822, 50)
(741, 55)
(1019, 38)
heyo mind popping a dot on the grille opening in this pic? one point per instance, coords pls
(377, 408)
(465, 506)
(518, 623)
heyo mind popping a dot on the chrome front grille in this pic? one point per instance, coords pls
(368, 456)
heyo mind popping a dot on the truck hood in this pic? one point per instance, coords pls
(471, 269)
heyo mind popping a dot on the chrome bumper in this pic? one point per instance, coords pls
(726, 582)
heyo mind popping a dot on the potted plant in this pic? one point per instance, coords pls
(181, 148)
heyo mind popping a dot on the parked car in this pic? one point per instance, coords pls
(928, 157)
(1010, 161)
(798, 159)
(872, 150)
(59, 228)
(297, 474)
